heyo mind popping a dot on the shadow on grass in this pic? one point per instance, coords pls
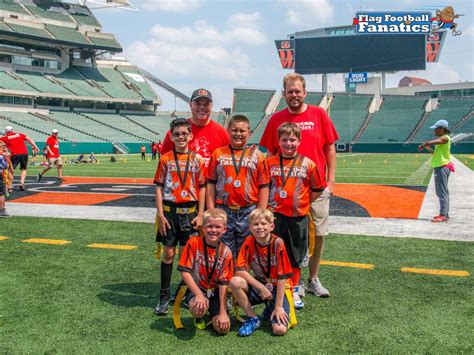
(140, 294)
(165, 325)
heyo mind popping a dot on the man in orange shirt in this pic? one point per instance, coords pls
(143, 151)
(236, 182)
(180, 198)
(294, 183)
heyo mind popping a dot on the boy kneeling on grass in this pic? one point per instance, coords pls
(206, 266)
(262, 271)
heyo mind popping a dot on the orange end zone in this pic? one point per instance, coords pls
(69, 198)
(383, 201)
(105, 180)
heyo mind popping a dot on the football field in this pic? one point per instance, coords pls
(84, 286)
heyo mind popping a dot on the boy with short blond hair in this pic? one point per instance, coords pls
(262, 273)
(180, 199)
(236, 181)
(206, 266)
(294, 183)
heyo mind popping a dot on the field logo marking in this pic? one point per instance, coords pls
(3, 237)
(112, 246)
(437, 272)
(46, 241)
(348, 264)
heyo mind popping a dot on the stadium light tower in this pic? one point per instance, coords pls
(116, 4)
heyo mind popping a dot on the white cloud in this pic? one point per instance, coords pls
(314, 13)
(469, 31)
(169, 5)
(200, 53)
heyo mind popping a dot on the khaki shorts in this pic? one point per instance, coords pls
(320, 213)
(55, 161)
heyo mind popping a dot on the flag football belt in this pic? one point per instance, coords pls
(177, 307)
(238, 208)
(179, 210)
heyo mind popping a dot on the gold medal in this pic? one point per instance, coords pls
(237, 183)
(283, 194)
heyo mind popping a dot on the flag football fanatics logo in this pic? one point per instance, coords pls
(392, 22)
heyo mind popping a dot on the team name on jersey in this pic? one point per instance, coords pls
(298, 171)
(200, 259)
(248, 162)
(13, 136)
(193, 166)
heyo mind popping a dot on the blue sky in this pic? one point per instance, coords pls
(225, 44)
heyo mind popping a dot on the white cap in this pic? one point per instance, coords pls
(8, 128)
(441, 124)
(54, 131)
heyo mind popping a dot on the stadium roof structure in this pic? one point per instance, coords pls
(53, 23)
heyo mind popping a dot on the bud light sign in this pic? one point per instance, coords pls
(357, 78)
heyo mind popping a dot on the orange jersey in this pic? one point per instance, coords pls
(254, 259)
(293, 199)
(240, 189)
(193, 260)
(167, 177)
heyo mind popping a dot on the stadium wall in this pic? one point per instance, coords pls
(80, 148)
(461, 148)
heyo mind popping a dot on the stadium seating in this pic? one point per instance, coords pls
(9, 5)
(8, 82)
(90, 131)
(159, 123)
(466, 127)
(145, 90)
(110, 80)
(348, 113)
(42, 84)
(258, 132)
(29, 30)
(67, 34)
(105, 42)
(395, 120)
(450, 109)
(249, 100)
(312, 98)
(52, 15)
(86, 20)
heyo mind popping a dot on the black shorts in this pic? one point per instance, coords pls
(254, 299)
(21, 159)
(2, 185)
(214, 305)
(294, 232)
(181, 228)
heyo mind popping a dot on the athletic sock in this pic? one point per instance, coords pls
(295, 279)
(166, 270)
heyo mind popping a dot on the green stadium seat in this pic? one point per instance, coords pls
(86, 20)
(348, 113)
(8, 82)
(67, 34)
(52, 15)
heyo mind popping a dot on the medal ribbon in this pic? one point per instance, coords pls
(210, 273)
(266, 272)
(183, 178)
(237, 167)
(284, 179)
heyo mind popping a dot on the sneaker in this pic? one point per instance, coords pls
(250, 326)
(302, 289)
(39, 177)
(316, 288)
(4, 214)
(21, 188)
(298, 303)
(162, 307)
(59, 180)
(440, 218)
(200, 323)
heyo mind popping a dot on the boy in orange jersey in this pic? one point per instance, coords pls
(180, 198)
(206, 267)
(236, 182)
(294, 183)
(262, 272)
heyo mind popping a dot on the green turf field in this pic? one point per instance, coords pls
(74, 299)
(466, 159)
(403, 169)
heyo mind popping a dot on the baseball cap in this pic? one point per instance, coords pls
(8, 128)
(442, 124)
(198, 93)
(54, 131)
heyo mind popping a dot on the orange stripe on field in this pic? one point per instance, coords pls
(3, 238)
(383, 201)
(46, 241)
(459, 273)
(112, 246)
(69, 198)
(347, 264)
(105, 180)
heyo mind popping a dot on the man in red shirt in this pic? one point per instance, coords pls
(15, 142)
(318, 136)
(208, 135)
(53, 156)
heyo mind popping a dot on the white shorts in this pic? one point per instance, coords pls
(320, 213)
